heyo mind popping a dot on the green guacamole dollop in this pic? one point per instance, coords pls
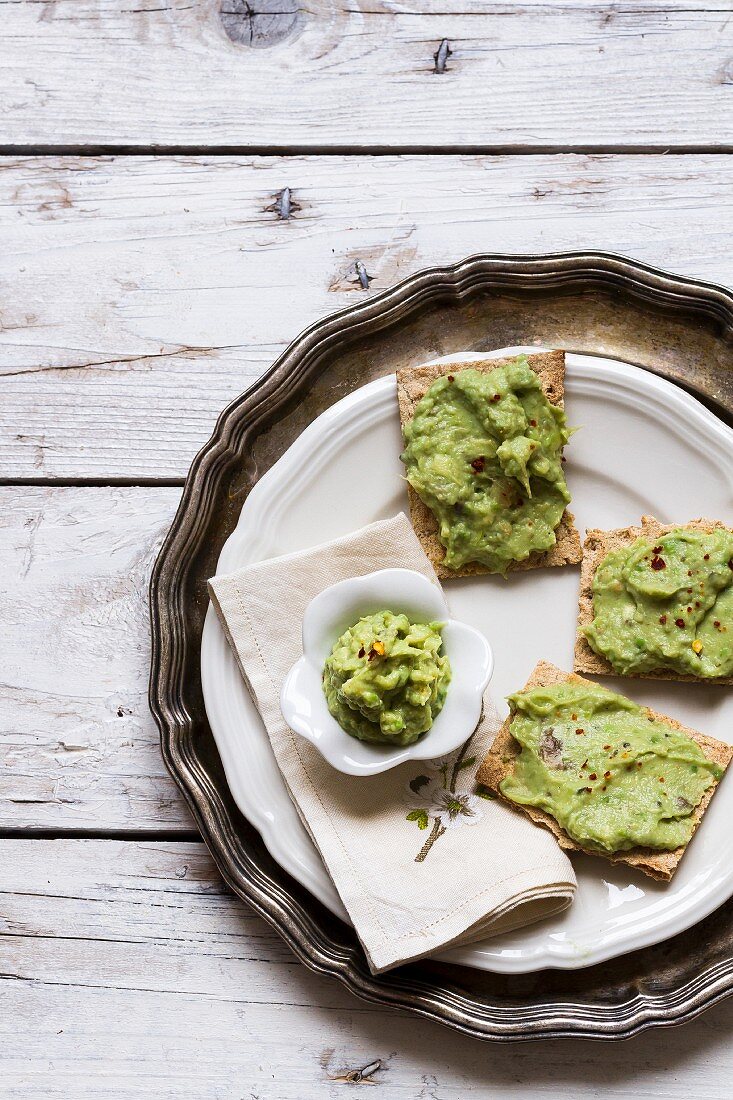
(386, 679)
(612, 777)
(667, 604)
(483, 452)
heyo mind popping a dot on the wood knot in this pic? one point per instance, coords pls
(259, 23)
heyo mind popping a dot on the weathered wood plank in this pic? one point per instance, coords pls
(366, 73)
(128, 970)
(78, 746)
(141, 294)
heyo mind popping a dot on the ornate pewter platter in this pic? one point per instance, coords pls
(587, 302)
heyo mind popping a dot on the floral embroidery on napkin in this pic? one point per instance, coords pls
(436, 797)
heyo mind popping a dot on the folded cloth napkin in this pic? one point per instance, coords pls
(412, 874)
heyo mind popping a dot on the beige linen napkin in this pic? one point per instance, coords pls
(421, 860)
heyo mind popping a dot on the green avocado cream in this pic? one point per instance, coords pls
(386, 679)
(483, 452)
(611, 776)
(667, 604)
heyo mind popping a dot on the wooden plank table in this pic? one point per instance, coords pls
(276, 145)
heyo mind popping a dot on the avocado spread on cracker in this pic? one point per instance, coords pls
(611, 775)
(667, 604)
(484, 453)
(386, 678)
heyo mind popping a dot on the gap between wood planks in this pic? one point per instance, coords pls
(443, 150)
(106, 482)
(168, 836)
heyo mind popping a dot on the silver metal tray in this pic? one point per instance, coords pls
(586, 302)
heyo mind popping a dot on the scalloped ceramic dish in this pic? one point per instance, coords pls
(333, 610)
(588, 302)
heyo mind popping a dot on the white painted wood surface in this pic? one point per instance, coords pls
(78, 745)
(362, 72)
(141, 294)
(129, 970)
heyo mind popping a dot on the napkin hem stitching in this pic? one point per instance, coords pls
(484, 890)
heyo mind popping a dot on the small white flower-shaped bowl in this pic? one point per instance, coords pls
(402, 591)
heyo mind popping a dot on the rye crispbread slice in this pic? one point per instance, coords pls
(598, 544)
(412, 384)
(499, 762)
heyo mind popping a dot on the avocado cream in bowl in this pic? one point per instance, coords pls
(386, 674)
(386, 678)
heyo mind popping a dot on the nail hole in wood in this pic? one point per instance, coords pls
(441, 56)
(362, 276)
(259, 23)
(361, 1076)
(284, 205)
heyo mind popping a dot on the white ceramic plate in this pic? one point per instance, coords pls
(644, 446)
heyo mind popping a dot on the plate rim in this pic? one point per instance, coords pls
(317, 939)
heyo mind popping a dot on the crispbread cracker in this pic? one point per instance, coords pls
(598, 544)
(499, 761)
(412, 384)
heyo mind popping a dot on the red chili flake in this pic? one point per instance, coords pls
(533, 423)
(451, 378)
(689, 572)
(606, 775)
(716, 624)
(662, 619)
(689, 609)
(656, 549)
(730, 563)
(372, 654)
(638, 763)
(580, 732)
(592, 776)
(478, 464)
(574, 717)
(589, 790)
(679, 622)
(661, 779)
(496, 397)
(563, 458)
(706, 557)
(697, 603)
(658, 563)
(603, 787)
(606, 748)
(362, 651)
